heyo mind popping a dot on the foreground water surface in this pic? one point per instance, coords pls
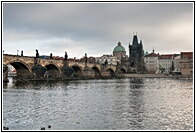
(113, 104)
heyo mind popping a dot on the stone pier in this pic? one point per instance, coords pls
(5, 73)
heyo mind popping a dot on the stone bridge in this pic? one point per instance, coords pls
(25, 65)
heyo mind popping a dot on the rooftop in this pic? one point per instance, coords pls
(152, 55)
(187, 54)
(119, 48)
(166, 56)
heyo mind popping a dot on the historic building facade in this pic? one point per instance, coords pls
(165, 63)
(150, 61)
(136, 55)
(107, 58)
(186, 64)
(177, 66)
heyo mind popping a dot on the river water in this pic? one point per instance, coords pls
(112, 104)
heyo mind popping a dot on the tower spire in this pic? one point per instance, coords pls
(153, 50)
(140, 42)
(134, 33)
(135, 40)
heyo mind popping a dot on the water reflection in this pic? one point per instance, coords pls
(136, 83)
(136, 108)
(127, 104)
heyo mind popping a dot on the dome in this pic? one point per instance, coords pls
(146, 53)
(119, 48)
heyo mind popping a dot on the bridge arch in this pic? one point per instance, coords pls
(78, 71)
(22, 68)
(53, 70)
(96, 69)
(123, 69)
(111, 72)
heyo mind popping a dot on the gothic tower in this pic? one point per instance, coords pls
(136, 55)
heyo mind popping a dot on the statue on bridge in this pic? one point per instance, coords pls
(22, 53)
(105, 65)
(37, 54)
(85, 58)
(66, 56)
(106, 62)
(51, 56)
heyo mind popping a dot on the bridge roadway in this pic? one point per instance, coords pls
(24, 66)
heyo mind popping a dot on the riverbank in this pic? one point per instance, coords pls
(94, 78)
(146, 76)
(19, 79)
(154, 76)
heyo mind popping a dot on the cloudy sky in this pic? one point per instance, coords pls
(96, 28)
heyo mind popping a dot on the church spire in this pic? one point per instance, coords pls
(135, 40)
(153, 50)
(140, 42)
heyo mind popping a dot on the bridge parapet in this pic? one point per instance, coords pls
(45, 62)
(113, 67)
(7, 59)
(82, 65)
(24, 65)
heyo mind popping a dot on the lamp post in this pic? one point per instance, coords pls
(17, 52)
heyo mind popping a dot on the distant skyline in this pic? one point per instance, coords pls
(96, 28)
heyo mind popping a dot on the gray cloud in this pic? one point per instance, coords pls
(97, 27)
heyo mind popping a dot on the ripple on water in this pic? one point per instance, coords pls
(127, 104)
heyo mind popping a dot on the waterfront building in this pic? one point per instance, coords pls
(57, 58)
(11, 68)
(118, 57)
(89, 60)
(165, 63)
(136, 55)
(73, 59)
(186, 62)
(150, 61)
(109, 58)
(177, 65)
(120, 52)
